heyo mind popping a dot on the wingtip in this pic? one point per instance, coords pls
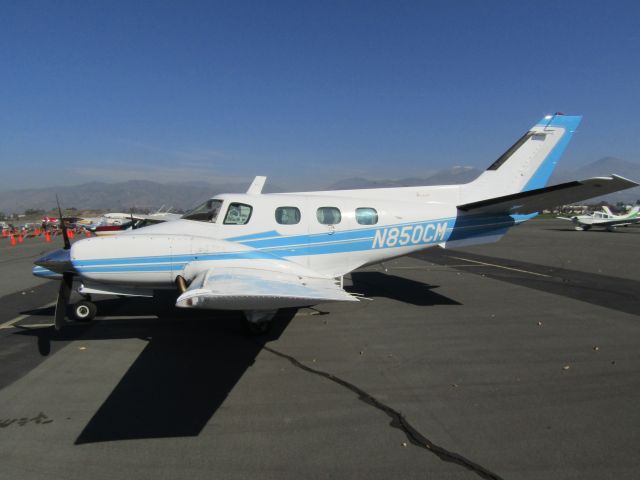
(620, 178)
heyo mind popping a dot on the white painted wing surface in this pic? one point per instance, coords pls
(243, 288)
(548, 197)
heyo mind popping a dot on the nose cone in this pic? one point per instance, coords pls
(58, 261)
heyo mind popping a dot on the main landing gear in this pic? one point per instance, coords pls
(258, 322)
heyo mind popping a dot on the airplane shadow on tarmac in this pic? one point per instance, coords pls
(193, 359)
(180, 379)
(378, 284)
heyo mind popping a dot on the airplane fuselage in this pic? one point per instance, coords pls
(360, 231)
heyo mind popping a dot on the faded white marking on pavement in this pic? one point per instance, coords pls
(439, 267)
(502, 266)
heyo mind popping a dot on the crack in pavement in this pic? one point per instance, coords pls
(397, 420)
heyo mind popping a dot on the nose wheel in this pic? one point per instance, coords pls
(84, 311)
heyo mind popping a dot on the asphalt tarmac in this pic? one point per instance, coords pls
(515, 360)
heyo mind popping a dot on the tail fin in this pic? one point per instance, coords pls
(633, 213)
(529, 163)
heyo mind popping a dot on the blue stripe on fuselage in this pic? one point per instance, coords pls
(391, 236)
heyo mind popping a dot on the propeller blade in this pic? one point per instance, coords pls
(64, 293)
(65, 235)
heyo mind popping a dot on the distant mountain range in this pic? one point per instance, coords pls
(450, 176)
(456, 175)
(122, 196)
(143, 194)
(604, 167)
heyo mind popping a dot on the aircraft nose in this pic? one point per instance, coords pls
(58, 261)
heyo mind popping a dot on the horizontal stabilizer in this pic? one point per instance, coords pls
(243, 288)
(533, 201)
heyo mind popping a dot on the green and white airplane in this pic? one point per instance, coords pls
(605, 219)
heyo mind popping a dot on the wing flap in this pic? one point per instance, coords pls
(532, 201)
(241, 288)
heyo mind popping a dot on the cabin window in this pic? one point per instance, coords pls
(328, 215)
(207, 212)
(366, 216)
(238, 214)
(287, 215)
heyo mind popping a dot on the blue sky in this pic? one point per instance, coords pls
(306, 92)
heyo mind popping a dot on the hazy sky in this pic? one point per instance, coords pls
(305, 91)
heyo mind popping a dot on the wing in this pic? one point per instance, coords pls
(542, 198)
(243, 288)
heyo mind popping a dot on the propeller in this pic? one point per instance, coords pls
(65, 235)
(64, 292)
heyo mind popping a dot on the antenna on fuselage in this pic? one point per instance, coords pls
(256, 186)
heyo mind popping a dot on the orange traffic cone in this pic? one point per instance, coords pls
(4, 232)
(13, 241)
(87, 233)
(71, 234)
(20, 238)
(47, 236)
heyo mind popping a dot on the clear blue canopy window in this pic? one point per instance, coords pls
(366, 216)
(207, 212)
(287, 215)
(238, 214)
(328, 215)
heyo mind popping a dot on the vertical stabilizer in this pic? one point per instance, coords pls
(528, 164)
(634, 212)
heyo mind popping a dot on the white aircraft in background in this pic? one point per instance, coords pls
(605, 219)
(116, 222)
(259, 252)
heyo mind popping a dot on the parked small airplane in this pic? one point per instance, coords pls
(259, 252)
(605, 219)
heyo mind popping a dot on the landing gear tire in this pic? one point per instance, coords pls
(259, 328)
(84, 311)
(258, 322)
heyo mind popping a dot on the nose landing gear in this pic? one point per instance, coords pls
(84, 311)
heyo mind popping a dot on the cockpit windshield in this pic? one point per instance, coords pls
(207, 212)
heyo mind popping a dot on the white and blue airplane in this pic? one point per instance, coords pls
(258, 252)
